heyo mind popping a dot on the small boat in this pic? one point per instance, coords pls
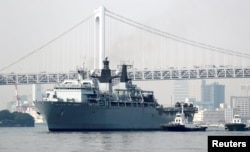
(181, 124)
(236, 124)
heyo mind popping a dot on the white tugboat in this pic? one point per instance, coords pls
(236, 124)
(181, 124)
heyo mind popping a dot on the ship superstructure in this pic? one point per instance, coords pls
(236, 124)
(92, 102)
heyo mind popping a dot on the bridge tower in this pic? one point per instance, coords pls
(99, 37)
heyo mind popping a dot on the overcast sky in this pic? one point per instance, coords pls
(27, 24)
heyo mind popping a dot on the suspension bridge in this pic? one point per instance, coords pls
(154, 54)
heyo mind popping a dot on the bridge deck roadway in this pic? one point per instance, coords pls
(136, 75)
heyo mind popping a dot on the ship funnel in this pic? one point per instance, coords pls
(106, 78)
(105, 73)
(124, 74)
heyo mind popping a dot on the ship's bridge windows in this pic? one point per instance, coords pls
(48, 95)
(236, 121)
(54, 95)
(86, 84)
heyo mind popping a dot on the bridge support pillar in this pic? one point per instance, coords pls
(99, 37)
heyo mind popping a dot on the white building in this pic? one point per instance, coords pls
(229, 113)
(209, 117)
(187, 89)
(242, 104)
(36, 92)
(245, 89)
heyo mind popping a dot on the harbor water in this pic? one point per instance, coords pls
(38, 138)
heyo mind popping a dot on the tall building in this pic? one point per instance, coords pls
(242, 106)
(245, 89)
(214, 117)
(229, 113)
(187, 89)
(36, 92)
(213, 93)
(195, 89)
(180, 90)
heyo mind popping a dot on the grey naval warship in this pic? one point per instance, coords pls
(105, 102)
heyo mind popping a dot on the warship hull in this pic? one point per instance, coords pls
(66, 116)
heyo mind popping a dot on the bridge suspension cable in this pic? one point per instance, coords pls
(158, 34)
(174, 37)
(47, 43)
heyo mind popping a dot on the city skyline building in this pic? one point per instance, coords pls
(210, 96)
(181, 88)
(242, 106)
(184, 89)
(245, 89)
(229, 113)
(213, 93)
(36, 92)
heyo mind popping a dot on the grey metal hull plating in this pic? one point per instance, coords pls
(68, 116)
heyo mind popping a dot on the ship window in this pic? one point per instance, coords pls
(86, 84)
